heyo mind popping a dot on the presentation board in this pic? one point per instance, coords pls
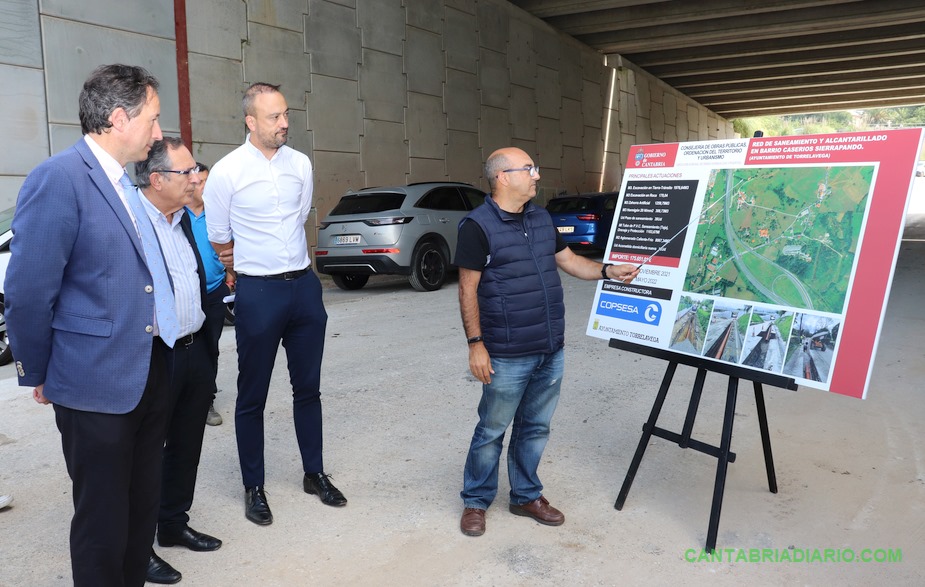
(773, 253)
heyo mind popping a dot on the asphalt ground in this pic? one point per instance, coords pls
(400, 407)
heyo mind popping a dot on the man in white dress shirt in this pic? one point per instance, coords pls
(258, 198)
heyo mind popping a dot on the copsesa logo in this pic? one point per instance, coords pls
(626, 308)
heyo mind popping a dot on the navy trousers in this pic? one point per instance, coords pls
(269, 311)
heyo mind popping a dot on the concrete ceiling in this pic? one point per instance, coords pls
(744, 58)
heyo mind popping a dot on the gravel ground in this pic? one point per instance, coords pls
(400, 407)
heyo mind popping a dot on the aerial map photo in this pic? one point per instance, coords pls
(780, 235)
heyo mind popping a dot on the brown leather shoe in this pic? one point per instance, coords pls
(472, 522)
(540, 510)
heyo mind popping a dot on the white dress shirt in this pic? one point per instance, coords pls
(181, 262)
(113, 171)
(262, 205)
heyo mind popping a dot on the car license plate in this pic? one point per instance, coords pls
(347, 239)
(565, 229)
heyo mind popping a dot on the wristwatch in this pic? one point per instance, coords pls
(604, 270)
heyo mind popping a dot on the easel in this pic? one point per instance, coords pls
(684, 440)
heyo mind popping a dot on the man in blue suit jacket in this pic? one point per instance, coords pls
(81, 313)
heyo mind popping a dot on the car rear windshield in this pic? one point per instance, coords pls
(368, 203)
(560, 205)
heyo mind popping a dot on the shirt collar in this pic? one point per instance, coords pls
(110, 166)
(156, 215)
(192, 214)
(506, 216)
(253, 150)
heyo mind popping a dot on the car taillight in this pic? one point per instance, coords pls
(381, 251)
(320, 253)
(389, 220)
(588, 217)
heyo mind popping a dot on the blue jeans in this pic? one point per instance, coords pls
(525, 391)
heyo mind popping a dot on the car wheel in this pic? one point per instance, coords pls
(349, 281)
(229, 314)
(429, 266)
(6, 353)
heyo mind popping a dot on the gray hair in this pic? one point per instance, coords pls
(251, 93)
(110, 87)
(496, 163)
(158, 158)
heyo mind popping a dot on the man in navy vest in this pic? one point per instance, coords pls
(511, 302)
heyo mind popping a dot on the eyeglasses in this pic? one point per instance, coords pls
(196, 169)
(533, 170)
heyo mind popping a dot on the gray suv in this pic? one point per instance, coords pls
(406, 230)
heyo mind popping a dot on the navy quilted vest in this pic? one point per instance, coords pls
(520, 294)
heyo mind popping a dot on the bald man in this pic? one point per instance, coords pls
(510, 297)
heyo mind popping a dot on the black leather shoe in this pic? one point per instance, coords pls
(160, 572)
(256, 508)
(320, 485)
(189, 538)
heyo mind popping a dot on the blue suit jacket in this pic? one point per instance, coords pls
(77, 288)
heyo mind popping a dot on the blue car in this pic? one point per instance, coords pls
(584, 220)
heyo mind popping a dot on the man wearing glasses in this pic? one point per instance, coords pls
(511, 301)
(167, 180)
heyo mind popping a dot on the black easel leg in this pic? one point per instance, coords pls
(723, 463)
(646, 435)
(692, 408)
(765, 437)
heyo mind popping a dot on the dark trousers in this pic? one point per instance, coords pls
(192, 390)
(215, 318)
(268, 311)
(114, 464)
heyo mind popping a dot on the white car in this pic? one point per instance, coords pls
(403, 230)
(6, 235)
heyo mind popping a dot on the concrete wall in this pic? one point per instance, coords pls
(48, 49)
(381, 92)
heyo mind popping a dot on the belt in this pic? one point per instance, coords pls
(285, 276)
(186, 341)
